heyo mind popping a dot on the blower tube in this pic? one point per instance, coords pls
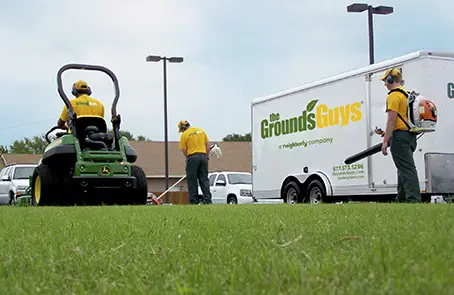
(363, 154)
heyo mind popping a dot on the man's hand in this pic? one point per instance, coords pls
(384, 146)
(391, 122)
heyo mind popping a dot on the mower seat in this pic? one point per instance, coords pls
(92, 133)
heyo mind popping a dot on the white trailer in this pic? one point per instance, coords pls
(301, 137)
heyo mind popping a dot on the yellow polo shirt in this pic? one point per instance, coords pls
(193, 140)
(397, 102)
(84, 106)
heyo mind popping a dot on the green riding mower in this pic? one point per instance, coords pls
(86, 165)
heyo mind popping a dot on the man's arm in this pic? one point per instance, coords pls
(61, 124)
(392, 108)
(390, 123)
(63, 118)
(207, 145)
(182, 145)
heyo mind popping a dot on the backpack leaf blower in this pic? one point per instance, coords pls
(422, 117)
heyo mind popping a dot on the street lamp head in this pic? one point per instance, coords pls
(153, 58)
(175, 59)
(357, 7)
(383, 10)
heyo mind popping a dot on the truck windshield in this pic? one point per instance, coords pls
(240, 178)
(23, 172)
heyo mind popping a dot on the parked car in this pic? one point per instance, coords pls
(229, 187)
(14, 181)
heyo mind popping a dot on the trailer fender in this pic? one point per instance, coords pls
(305, 178)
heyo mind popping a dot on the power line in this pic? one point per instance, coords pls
(26, 124)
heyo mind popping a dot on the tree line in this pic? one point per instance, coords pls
(37, 144)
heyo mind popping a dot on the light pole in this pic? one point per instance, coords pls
(157, 58)
(383, 10)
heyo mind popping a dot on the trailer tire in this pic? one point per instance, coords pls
(292, 193)
(316, 192)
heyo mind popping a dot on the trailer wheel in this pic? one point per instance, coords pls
(292, 193)
(316, 192)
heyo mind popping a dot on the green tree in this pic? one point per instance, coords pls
(130, 136)
(125, 133)
(237, 137)
(3, 149)
(37, 144)
(34, 145)
(142, 138)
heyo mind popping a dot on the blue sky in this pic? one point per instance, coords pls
(234, 52)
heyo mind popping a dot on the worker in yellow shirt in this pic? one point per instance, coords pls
(194, 145)
(83, 104)
(401, 140)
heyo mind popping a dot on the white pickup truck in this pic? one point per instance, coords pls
(14, 181)
(228, 187)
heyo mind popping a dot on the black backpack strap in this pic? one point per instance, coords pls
(399, 90)
(406, 95)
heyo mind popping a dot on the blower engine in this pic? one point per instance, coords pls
(422, 114)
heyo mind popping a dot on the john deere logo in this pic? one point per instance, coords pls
(105, 170)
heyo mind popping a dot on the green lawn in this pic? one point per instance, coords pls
(222, 249)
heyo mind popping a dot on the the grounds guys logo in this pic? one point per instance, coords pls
(451, 90)
(311, 117)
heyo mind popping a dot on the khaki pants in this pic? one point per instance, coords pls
(403, 144)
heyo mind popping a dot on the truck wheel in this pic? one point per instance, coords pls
(141, 192)
(232, 200)
(45, 186)
(12, 200)
(292, 193)
(316, 192)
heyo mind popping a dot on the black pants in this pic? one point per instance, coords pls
(403, 144)
(197, 169)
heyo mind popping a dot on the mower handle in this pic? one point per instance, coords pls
(89, 68)
(48, 132)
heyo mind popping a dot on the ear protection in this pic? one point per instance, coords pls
(183, 125)
(74, 91)
(390, 78)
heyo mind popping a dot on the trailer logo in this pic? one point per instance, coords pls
(308, 120)
(451, 90)
(105, 170)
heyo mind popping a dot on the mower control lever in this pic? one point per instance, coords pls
(53, 129)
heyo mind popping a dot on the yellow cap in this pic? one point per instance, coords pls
(81, 85)
(181, 124)
(394, 73)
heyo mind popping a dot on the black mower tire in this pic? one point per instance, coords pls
(140, 194)
(49, 187)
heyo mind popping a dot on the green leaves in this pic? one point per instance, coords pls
(237, 137)
(37, 144)
(311, 105)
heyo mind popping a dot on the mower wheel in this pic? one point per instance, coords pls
(141, 193)
(45, 186)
